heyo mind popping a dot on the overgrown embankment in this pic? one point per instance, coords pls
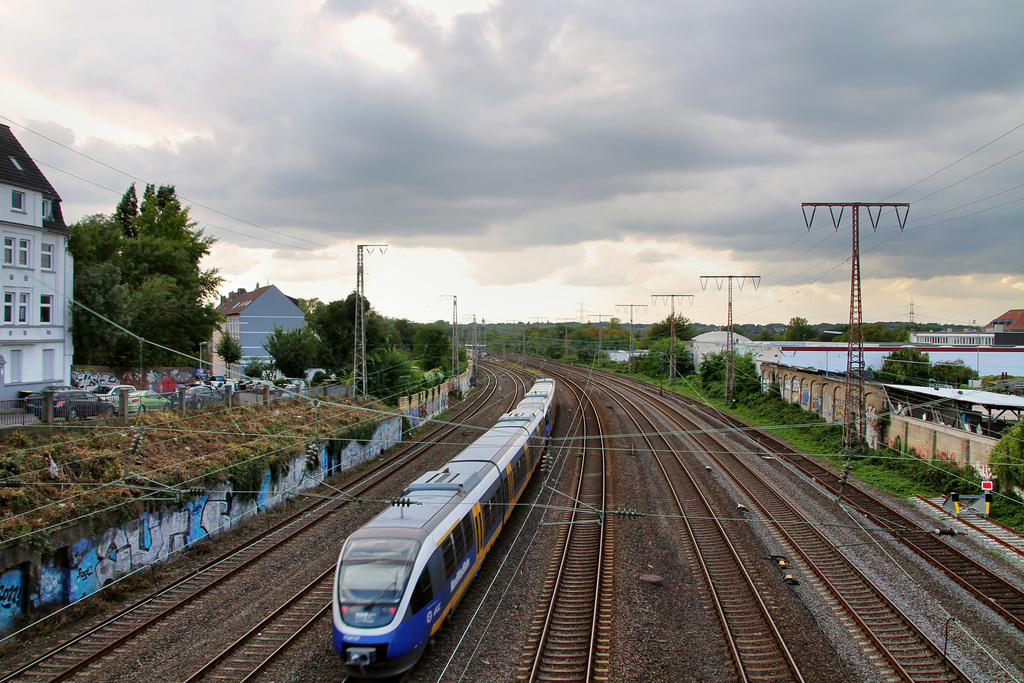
(51, 477)
(897, 473)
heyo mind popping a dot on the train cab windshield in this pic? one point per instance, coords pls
(372, 578)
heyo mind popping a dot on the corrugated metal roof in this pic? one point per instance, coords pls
(976, 396)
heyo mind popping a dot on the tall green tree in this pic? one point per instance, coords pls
(432, 347)
(955, 372)
(334, 325)
(799, 330)
(906, 366)
(229, 349)
(140, 269)
(293, 350)
(663, 329)
(126, 212)
(1007, 459)
(390, 374)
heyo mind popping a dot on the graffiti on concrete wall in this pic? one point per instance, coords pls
(157, 379)
(90, 378)
(89, 564)
(12, 599)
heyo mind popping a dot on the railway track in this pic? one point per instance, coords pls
(85, 649)
(1000, 595)
(758, 649)
(569, 636)
(912, 656)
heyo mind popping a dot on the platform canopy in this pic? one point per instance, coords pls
(951, 405)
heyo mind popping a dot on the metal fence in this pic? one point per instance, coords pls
(13, 412)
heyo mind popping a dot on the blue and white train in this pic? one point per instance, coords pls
(399, 576)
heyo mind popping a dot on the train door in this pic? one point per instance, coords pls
(478, 523)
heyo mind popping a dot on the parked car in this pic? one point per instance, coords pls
(296, 385)
(112, 392)
(144, 401)
(197, 396)
(69, 404)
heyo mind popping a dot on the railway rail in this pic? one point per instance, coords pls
(1000, 595)
(85, 649)
(569, 639)
(758, 649)
(910, 653)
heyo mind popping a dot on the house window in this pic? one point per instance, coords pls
(49, 366)
(23, 303)
(46, 257)
(15, 365)
(47, 210)
(9, 250)
(24, 247)
(45, 307)
(17, 201)
(8, 307)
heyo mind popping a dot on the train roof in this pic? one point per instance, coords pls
(434, 490)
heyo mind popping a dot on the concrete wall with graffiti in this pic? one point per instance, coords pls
(424, 405)
(38, 584)
(156, 379)
(931, 441)
(821, 393)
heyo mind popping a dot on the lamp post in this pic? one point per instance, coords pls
(202, 355)
(826, 350)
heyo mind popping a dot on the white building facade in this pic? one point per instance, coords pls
(37, 273)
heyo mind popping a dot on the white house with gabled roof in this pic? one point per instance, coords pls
(37, 275)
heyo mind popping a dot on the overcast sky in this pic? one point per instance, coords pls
(546, 159)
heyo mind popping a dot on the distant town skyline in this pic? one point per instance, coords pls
(530, 159)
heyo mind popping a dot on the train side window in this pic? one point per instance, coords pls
(423, 593)
(504, 491)
(486, 507)
(489, 511)
(448, 549)
(460, 542)
(467, 531)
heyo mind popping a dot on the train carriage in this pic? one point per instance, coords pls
(400, 575)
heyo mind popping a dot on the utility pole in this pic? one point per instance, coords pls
(536, 344)
(672, 329)
(600, 319)
(359, 333)
(853, 412)
(730, 350)
(455, 332)
(631, 308)
(565, 326)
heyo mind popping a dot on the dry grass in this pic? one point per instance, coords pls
(103, 469)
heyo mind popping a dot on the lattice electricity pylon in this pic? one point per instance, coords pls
(359, 333)
(600, 330)
(730, 349)
(853, 411)
(631, 307)
(671, 328)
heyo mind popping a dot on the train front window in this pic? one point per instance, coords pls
(372, 578)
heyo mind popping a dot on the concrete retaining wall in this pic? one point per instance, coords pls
(930, 440)
(33, 584)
